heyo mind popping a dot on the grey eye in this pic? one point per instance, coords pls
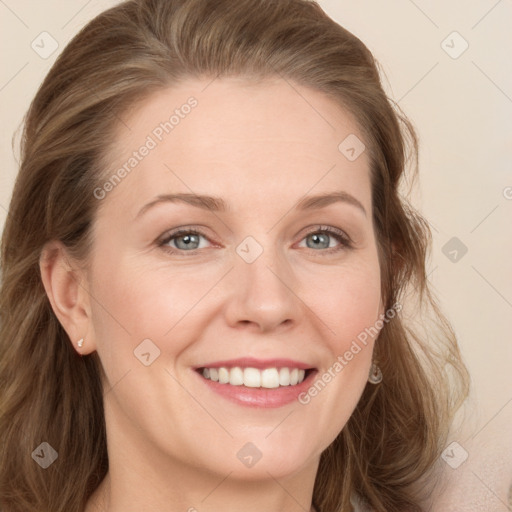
(318, 241)
(189, 241)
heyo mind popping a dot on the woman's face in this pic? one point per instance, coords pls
(239, 240)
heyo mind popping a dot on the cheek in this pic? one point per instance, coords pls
(348, 301)
(132, 304)
(348, 304)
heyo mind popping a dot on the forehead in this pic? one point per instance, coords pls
(234, 137)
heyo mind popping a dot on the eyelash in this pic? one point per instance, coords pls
(338, 234)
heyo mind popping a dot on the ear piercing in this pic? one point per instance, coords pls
(375, 376)
(80, 343)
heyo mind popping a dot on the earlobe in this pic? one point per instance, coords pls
(67, 294)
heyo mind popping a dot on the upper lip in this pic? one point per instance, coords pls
(251, 362)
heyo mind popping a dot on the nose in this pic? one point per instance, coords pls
(262, 294)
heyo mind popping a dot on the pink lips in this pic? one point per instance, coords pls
(258, 397)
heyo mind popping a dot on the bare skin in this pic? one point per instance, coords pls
(173, 441)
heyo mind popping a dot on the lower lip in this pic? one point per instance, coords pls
(260, 397)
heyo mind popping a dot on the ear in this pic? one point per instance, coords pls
(67, 292)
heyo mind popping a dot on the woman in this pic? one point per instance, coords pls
(209, 275)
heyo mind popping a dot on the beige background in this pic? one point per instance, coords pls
(462, 109)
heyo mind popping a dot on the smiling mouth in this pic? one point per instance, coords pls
(269, 378)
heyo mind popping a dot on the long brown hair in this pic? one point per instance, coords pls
(50, 394)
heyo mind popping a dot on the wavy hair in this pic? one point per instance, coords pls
(49, 393)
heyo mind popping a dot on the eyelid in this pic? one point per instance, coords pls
(317, 228)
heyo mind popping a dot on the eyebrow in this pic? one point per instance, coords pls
(216, 204)
(324, 200)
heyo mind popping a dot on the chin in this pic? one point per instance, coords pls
(264, 458)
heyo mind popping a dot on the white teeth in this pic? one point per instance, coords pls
(236, 377)
(270, 378)
(254, 378)
(223, 375)
(284, 376)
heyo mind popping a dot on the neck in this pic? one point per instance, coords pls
(225, 495)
